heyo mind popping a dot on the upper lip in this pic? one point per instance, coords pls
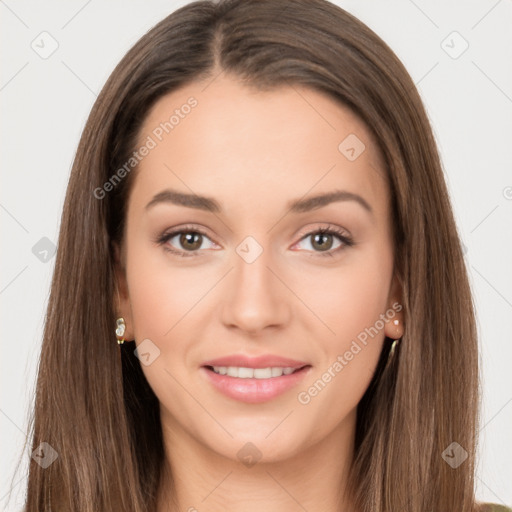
(263, 361)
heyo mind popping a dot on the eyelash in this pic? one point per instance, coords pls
(330, 230)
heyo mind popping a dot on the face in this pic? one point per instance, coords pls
(249, 272)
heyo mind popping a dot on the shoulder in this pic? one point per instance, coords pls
(493, 507)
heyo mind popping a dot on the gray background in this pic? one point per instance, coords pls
(44, 104)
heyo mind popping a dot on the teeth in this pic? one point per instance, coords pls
(252, 373)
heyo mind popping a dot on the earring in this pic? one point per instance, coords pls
(392, 349)
(395, 342)
(121, 326)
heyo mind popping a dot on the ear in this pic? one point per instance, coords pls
(122, 305)
(394, 327)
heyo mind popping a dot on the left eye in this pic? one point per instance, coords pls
(322, 241)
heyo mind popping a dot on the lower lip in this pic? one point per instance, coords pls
(254, 391)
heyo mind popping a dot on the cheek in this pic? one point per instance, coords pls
(166, 301)
(162, 293)
(351, 297)
(350, 302)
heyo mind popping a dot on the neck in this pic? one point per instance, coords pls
(197, 478)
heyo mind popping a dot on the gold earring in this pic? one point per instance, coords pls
(392, 349)
(395, 342)
(121, 326)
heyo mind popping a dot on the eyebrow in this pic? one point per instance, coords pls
(296, 206)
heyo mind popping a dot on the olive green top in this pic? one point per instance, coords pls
(493, 507)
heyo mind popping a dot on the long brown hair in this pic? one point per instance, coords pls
(94, 407)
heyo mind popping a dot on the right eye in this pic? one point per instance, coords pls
(189, 239)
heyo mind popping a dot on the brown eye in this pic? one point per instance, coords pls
(327, 241)
(190, 240)
(185, 241)
(322, 241)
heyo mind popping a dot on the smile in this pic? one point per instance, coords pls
(253, 385)
(249, 373)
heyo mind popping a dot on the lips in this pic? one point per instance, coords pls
(254, 391)
(263, 361)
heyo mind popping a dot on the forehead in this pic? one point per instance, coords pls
(222, 138)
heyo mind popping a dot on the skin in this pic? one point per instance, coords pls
(254, 152)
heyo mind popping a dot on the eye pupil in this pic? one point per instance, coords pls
(188, 238)
(322, 245)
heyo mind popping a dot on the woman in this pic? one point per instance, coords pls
(258, 208)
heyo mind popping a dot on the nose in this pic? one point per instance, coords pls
(255, 297)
